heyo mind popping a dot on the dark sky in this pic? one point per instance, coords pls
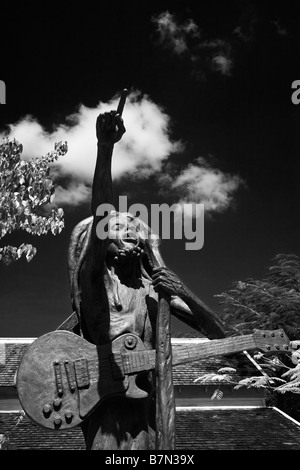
(228, 95)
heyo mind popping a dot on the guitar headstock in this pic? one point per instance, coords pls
(272, 341)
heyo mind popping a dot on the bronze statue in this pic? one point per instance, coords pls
(115, 284)
(114, 376)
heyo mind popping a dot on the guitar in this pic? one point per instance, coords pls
(62, 377)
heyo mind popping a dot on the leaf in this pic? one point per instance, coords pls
(256, 382)
(258, 356)
(225, 370)
(218, 394)
(25, 185)
(30, 252)
(295, 357)
(21, 250)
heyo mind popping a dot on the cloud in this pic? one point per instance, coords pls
(143, 148)
(253, 22)
(280, 30)
(146, 149)
(74, 194)
(183, 39)
(240, 34)
(220, 53)
(173, 35)
(250, 18)
(202, 184)
(222, 63)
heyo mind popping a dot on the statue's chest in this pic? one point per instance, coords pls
(130, 307)
(128, 299)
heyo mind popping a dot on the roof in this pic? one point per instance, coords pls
(25, 434)
(232, 428)
(187, 374)
(236, 429)
(11, 355)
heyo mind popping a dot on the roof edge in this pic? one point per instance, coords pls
(16, 340)
(285, 415)
(225, 407)
(173, 340)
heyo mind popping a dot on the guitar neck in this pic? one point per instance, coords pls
(188, 353)
(145, 360)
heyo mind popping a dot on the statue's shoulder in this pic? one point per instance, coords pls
(81, 228)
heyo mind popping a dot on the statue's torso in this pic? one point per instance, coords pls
(114, 307)
(132, 308)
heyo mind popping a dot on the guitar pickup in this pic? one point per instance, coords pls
(58, 378)
(70, 372)
(82, 373)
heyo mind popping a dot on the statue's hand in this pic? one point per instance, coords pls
(127, 256)
(163, 279)
(109, 128)
(117, 256)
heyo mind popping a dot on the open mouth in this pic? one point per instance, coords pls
(130, 240)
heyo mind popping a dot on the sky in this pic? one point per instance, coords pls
(209, 120)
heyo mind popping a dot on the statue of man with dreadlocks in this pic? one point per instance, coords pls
(115, 289)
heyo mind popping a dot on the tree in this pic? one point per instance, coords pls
(270, 303)
(25, 188)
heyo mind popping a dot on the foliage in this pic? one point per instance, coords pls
(5, 438)
(288, 382)
(261, 381)
(222, 376)
(25, 187)
(270, 303)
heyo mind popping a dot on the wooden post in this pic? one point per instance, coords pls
(165, 400)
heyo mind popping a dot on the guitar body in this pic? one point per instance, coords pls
(62, 377)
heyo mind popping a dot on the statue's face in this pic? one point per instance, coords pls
(125, 231)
